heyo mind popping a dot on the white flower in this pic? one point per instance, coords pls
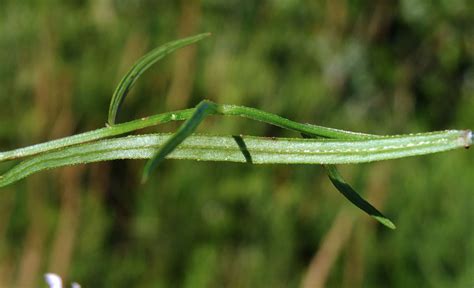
(54, 281)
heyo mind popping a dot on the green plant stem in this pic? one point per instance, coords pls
(97, 134)
(262, 150)
(226, 110)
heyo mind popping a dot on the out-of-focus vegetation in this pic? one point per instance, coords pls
(378, 67)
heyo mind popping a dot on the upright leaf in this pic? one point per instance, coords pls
(141, 66)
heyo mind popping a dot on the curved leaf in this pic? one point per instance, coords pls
(141, 66)
(354, 197)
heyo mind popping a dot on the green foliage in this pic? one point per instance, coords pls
(382, 67)
(354, 147)
(141, 66)
(202, 110)
(354, 197)
(244, 149)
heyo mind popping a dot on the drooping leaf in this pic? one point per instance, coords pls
(354, 197)
(203, 109)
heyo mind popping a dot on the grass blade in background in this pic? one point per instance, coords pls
(141, 66)
(354, 197)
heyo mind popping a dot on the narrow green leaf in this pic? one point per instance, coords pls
(97, 134)
(203, 109)
(309, 129)
(141, 66)
(226, 110)
(451, 138)
(354, 197)
(257, 150)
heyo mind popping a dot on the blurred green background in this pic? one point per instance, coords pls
(374, 66)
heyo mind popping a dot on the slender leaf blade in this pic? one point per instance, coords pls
(354, 197)
(127, 82)
(261, 150)
(203, 109)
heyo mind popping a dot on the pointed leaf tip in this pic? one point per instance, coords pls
(355, 198)
(145, 62)
(386, 222)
